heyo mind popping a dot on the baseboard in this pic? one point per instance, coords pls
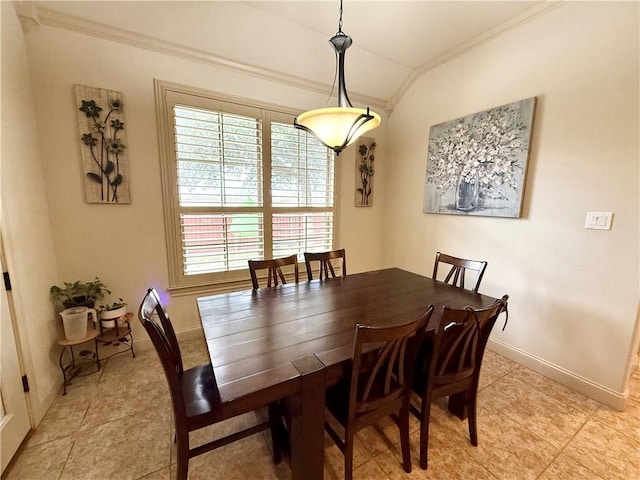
(600, 393)
(142, 344)
(38, 413)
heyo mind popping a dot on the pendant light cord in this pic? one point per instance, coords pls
(335, 74)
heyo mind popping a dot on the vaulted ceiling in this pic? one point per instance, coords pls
(393, 41)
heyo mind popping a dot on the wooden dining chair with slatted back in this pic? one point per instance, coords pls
(194, 393)
(449, 363)
(326, 267)
(379, 386)
(458, 270)
(274, 270)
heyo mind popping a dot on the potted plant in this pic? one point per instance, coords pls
(79, 293)
(110, 312)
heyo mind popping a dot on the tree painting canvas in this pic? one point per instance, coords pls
(103, 143)
(365, 162)
(476, 165)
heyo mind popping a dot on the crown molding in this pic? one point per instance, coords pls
(32, 16)
(481, 39)
(485, 37)
(393, 101)
(27, 15)
(44, 16)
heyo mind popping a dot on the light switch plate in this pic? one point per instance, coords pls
(598, 220)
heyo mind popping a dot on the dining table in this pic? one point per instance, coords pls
(291, 342)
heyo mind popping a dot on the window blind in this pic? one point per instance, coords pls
(219, 158)
(220, 242)
(240, 183)
(302, 232)
(301, 169)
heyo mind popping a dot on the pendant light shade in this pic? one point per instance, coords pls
(338, 127)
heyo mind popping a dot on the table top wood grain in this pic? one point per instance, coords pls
(254, 336)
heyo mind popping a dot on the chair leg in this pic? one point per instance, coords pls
(472, 396)
(425, 414)
(182, 450)
(348, 454)
(404, 439)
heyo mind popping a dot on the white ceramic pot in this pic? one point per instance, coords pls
(108, 317)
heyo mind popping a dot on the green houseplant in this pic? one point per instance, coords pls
(111, 312)
(109, 307)
(75, 294)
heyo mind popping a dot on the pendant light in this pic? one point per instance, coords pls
(337, 127)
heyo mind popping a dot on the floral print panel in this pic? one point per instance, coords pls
(476, 165)
(365, 159)
(103, 144)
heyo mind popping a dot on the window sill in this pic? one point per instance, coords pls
(211, 289)
(234, 285)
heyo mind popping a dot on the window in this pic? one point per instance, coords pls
(239, 183)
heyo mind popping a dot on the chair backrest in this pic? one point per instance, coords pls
(156, 322)
(162, 334)
(386, 375)
(460, 341)
(459, 267)
(326, 267)
(274, 270)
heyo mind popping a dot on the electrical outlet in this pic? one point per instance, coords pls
(598, 220)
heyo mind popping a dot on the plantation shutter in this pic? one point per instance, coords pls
(239, 183)
(219, 164)
(302, 175)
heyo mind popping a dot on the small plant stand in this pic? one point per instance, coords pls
(73, 368)
(119, 335)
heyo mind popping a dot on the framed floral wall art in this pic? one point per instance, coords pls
(365, 162)
(476, 165)
(103, 144)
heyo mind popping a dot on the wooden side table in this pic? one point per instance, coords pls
(73, 368)
(119, 334)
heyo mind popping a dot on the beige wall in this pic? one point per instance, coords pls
(574, 292)
(25, 228)
(124, 244)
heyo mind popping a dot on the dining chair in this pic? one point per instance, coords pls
(459, 267)
(380, 385)
(274, 270)
(195, 396)
(326, 267)
(450, 363)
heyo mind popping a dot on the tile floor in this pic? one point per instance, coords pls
(116, 424)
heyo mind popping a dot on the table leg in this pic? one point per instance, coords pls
(307, 421)
(133, 353)
(70, 370)
(95, 341)
(64, 372)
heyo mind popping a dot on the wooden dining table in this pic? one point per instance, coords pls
(291, 342)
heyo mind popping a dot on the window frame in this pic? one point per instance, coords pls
(166, 96)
